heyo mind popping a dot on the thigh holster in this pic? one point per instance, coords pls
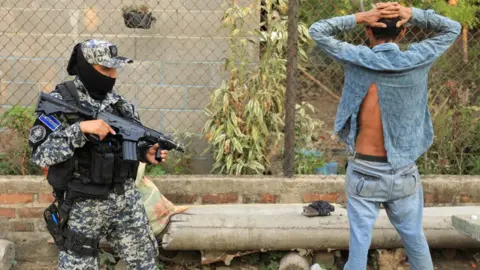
(79, 244)
(64, 238)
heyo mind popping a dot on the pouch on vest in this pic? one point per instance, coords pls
(101, 170)
(77, 189)
(60, 174)
(124, 170)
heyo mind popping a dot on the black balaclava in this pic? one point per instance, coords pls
(97, 84)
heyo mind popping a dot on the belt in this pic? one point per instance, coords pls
(371, 158)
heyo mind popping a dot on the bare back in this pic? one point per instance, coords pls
(370, 136)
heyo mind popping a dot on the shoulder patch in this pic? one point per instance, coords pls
(50, 121)
(37, 134)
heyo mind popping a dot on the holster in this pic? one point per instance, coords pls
(52, 219)
(64, 238)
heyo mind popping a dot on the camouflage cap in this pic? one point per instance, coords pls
(103, 53)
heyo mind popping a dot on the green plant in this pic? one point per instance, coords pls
(19, 119)
(177, 162)
(107, 260)
(160, 265)
(306, 161)
(273, 265)
(264, 260)
(464, 11)
(250, 259)
(181, 163)
(154, 170)
(455, 149)
(15, 150)
(270, 260)
(453, 96)
(246, 112)
(136, 8)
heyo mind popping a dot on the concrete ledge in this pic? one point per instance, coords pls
(283, 227)
(466, 225)
(24, 184)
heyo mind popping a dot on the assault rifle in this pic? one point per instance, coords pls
(130, 132)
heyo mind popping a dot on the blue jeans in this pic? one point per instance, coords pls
(369, 184)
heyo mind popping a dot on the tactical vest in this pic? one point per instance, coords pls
(96, 168)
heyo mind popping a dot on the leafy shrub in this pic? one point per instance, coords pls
(15, 151)
(246, 113)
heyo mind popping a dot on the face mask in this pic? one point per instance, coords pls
(97, 84)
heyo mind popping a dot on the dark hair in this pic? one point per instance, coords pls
(390, 32)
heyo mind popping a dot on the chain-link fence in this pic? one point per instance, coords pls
(454, 84)
(214, 73)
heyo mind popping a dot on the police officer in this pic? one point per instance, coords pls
(93, 185)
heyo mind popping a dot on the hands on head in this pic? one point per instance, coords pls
(402, 12)
(387, 10)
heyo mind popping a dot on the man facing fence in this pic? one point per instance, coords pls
(384, 119)
(92, 182)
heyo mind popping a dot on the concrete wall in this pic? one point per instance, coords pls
(177, 62)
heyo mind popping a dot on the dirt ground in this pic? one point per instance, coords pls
(439, 265)
(463, 260)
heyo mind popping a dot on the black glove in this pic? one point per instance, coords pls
(318, 208)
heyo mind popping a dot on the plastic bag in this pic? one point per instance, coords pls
(159, 209)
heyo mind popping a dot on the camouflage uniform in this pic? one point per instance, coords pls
(121, 218)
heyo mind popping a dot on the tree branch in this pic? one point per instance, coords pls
(308, 75)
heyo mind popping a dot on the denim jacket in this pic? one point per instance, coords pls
(401, 78)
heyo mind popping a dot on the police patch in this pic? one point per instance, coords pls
(37, 133)
(50, 121)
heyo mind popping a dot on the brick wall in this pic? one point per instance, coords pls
(23, 199)
(22, 204)
(439, 190)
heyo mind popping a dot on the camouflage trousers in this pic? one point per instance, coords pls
(123, 221)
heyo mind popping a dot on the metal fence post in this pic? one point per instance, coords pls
(290, 97)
